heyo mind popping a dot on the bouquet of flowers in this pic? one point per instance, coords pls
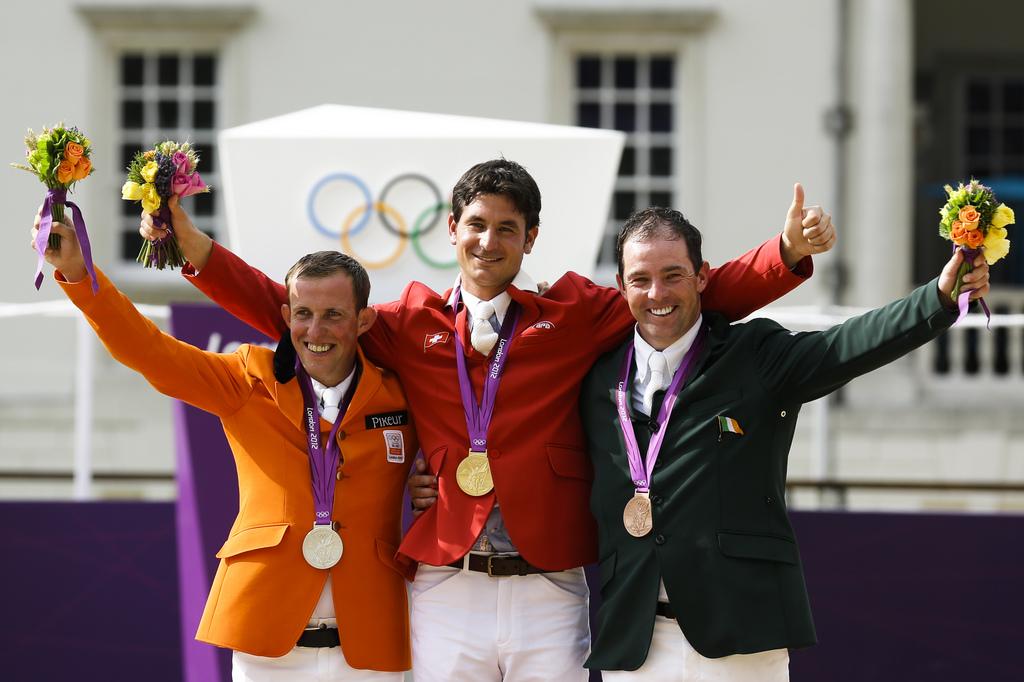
(59, 157)
(976, 223)
(154, 176)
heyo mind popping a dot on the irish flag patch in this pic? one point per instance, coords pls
(729, 425)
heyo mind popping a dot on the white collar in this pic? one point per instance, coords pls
(319, 388)
(673, 354)
(521, 281)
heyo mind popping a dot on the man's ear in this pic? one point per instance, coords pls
(702, 276)
(365, 319)
(531, 237)
(621, 286)
(286, 315)
(453, 227)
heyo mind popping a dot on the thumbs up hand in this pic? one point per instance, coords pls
(808, 230)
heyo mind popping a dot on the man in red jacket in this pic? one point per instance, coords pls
(492, 371)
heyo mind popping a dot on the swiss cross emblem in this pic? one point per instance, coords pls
(433, 339)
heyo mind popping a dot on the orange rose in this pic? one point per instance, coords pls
(957, 233)
(969, 214)
(65, 172)
(83, 168)
(73, 152)
(975, 238)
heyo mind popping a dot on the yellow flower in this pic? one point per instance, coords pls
(996, 245)
(150, 199)
(1003, 216)
(131, 191)
(149, 171)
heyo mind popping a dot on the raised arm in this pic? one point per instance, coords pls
(213, 382)
(226, 279)
(773, 269)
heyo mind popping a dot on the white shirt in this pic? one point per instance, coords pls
(325, 606)
(673, 356)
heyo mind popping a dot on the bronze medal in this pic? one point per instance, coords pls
(322, 547)
(474, 475)
(636, 516)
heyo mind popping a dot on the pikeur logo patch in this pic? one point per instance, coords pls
(387, 420)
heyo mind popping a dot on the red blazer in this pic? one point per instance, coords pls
(536, 445)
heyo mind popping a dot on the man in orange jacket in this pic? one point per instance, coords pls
(309, 563)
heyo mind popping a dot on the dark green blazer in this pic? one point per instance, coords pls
(722, 541)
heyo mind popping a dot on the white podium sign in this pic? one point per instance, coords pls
(376, 183)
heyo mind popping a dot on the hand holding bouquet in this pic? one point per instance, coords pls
(976, 223)
(154, 176)
(59, 157)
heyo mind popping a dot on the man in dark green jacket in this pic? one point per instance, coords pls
(700, 571)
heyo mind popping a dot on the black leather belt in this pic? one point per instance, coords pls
(497, 565)
(319, 638)
(666, 610)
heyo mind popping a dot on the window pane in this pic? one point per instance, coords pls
(204, 71)
(588, 115)
(167, 113)
(661, 118)
(202, 114)
(132, 69)
(661, 199)
(1013, 97)
(1013, 140)
(978, 140)
(979, 97)
(661, 161)
(662, 73)
(202, 204)
(206, 160)
(167, 69)
(127, 154)
(132, 114)
(625, 72)
(625, 117)
(588, 72)
(623, 204)
(627, 164)
(131, 242)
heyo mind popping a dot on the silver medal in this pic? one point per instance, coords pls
(322, 547)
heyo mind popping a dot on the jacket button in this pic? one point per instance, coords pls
(782, 414)
(341, 435)
(659, 539)
(652, 425)
(656, 499)
(769, 500)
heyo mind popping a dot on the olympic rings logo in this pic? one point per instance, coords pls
(390, 218)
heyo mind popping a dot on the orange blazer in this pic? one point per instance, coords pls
(264, 591)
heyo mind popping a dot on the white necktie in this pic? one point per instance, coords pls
(483, 337)
(332, 400)
(657, 370)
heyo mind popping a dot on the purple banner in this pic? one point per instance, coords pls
(207, 488)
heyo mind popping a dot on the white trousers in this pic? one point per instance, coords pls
(304, 664)
(672, 659)
(468, 626)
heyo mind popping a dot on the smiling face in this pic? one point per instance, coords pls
(661, 287)
(324, 325)
(490, 240)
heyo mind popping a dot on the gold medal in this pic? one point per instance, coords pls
(636, 517)
(474, 474)
(322, 547)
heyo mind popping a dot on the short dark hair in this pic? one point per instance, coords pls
(499, 176)
(322, 264)
(658, 221)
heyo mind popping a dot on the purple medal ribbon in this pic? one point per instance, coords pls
(322, 461)
(963, 301)
(59, 196)
(478, 416)
(640, 473)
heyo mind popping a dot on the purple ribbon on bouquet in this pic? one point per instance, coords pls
(963, 301)
(59, 196)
